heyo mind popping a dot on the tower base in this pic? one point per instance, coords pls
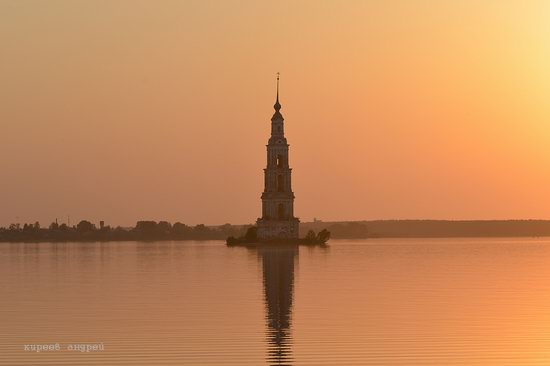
(278, 229)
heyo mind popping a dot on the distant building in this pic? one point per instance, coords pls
(277, 221)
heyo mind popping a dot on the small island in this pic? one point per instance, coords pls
(251, 239)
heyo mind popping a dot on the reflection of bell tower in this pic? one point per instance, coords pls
(278, 278)
(277, 221)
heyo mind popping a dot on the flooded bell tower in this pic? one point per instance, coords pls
(277, 221)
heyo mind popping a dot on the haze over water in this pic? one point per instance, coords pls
(379, 302)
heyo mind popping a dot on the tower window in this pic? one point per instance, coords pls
(280, 161)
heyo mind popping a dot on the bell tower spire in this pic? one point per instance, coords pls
(277, 115)
(277, 105)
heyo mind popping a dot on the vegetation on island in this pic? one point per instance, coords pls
(251, 238)
(144, 230)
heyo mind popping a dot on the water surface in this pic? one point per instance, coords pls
(365, 302)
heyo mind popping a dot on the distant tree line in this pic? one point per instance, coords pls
(431, 228)
(144, 231)
(350, 230)
(163, 230)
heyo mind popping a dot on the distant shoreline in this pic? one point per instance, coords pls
(147, 231)
(432, 228)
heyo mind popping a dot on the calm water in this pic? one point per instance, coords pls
(375, 302)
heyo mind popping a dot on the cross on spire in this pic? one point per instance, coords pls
(278, 74)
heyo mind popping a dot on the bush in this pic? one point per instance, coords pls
(251, 234)
(310, 236)
(323, 236)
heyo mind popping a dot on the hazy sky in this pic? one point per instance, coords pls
(128, 110)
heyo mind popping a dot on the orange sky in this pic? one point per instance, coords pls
(128, 110)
